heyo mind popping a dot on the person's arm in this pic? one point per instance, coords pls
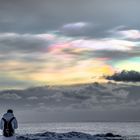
(15, 123)
(1, 124)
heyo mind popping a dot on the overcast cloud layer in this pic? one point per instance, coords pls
(39, 16)
(91, 102)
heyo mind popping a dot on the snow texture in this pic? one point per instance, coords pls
(69, 136)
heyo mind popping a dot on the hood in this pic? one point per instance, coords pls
(8, 116)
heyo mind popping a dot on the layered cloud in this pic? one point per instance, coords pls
(9, 96)
(48, 42)
(52, 102)
(42, 57)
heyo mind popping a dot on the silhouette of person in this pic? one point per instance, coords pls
(8, 125)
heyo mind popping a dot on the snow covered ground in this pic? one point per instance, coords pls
(78, 131)
(69, 136)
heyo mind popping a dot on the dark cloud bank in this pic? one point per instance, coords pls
(90, 102)
(127, 76)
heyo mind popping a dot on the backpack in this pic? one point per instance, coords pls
(8, 130)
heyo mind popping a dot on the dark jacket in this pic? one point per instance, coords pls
(9, 116)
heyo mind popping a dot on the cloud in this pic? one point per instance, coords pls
(121, 93)
(76, 29)
(36, 55)
(116, 54)
(129, 34)
(124, 32)
(108, 101)
(104, 44)
(34, 17)
(92, 99)
(32, 98)
(23, 43)
(127, 76)
(9, 96)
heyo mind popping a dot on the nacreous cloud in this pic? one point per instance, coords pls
(76, 29)
(43, 57)
(124, 33)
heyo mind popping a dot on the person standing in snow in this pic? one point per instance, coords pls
(8, 125)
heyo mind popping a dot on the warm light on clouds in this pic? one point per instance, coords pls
(104, 44)
(84, 72)
(130, 34)
(55, 59)
(59, 72)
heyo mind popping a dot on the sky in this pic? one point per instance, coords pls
(64, 42)
(55, 55)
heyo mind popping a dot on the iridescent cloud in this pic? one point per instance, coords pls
(54, 58)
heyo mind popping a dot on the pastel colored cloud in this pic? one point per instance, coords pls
(125, 33)
(54, 58)
(76, 25)
(76, 29)
(104, 44)
(132, 34)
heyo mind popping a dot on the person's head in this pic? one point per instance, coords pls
(9, 111)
